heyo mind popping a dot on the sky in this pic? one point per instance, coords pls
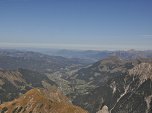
(76, 24)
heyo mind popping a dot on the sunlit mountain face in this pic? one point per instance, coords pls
(41, 100)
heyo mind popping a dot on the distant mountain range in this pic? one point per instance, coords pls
(13, 59)
(95, 55)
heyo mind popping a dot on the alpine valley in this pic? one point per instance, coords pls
(67, 81)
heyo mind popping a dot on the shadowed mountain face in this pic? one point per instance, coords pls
(102, 70)
(41, 101)
(89, 78)
(126, 89)
(14, 83)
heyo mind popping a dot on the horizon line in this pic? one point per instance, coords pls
(73, 46)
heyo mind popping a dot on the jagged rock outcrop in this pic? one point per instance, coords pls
(41, 101)
(143, 71)
(104, 110)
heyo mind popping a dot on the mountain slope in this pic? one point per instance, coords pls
(129, 93)
(91, 77)
(41, 101)
(14, 83)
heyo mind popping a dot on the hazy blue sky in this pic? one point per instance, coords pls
(79, 24)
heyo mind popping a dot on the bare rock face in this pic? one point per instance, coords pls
(143, 71)
(104, 110)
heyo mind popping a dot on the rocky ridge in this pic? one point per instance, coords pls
(41, 101)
